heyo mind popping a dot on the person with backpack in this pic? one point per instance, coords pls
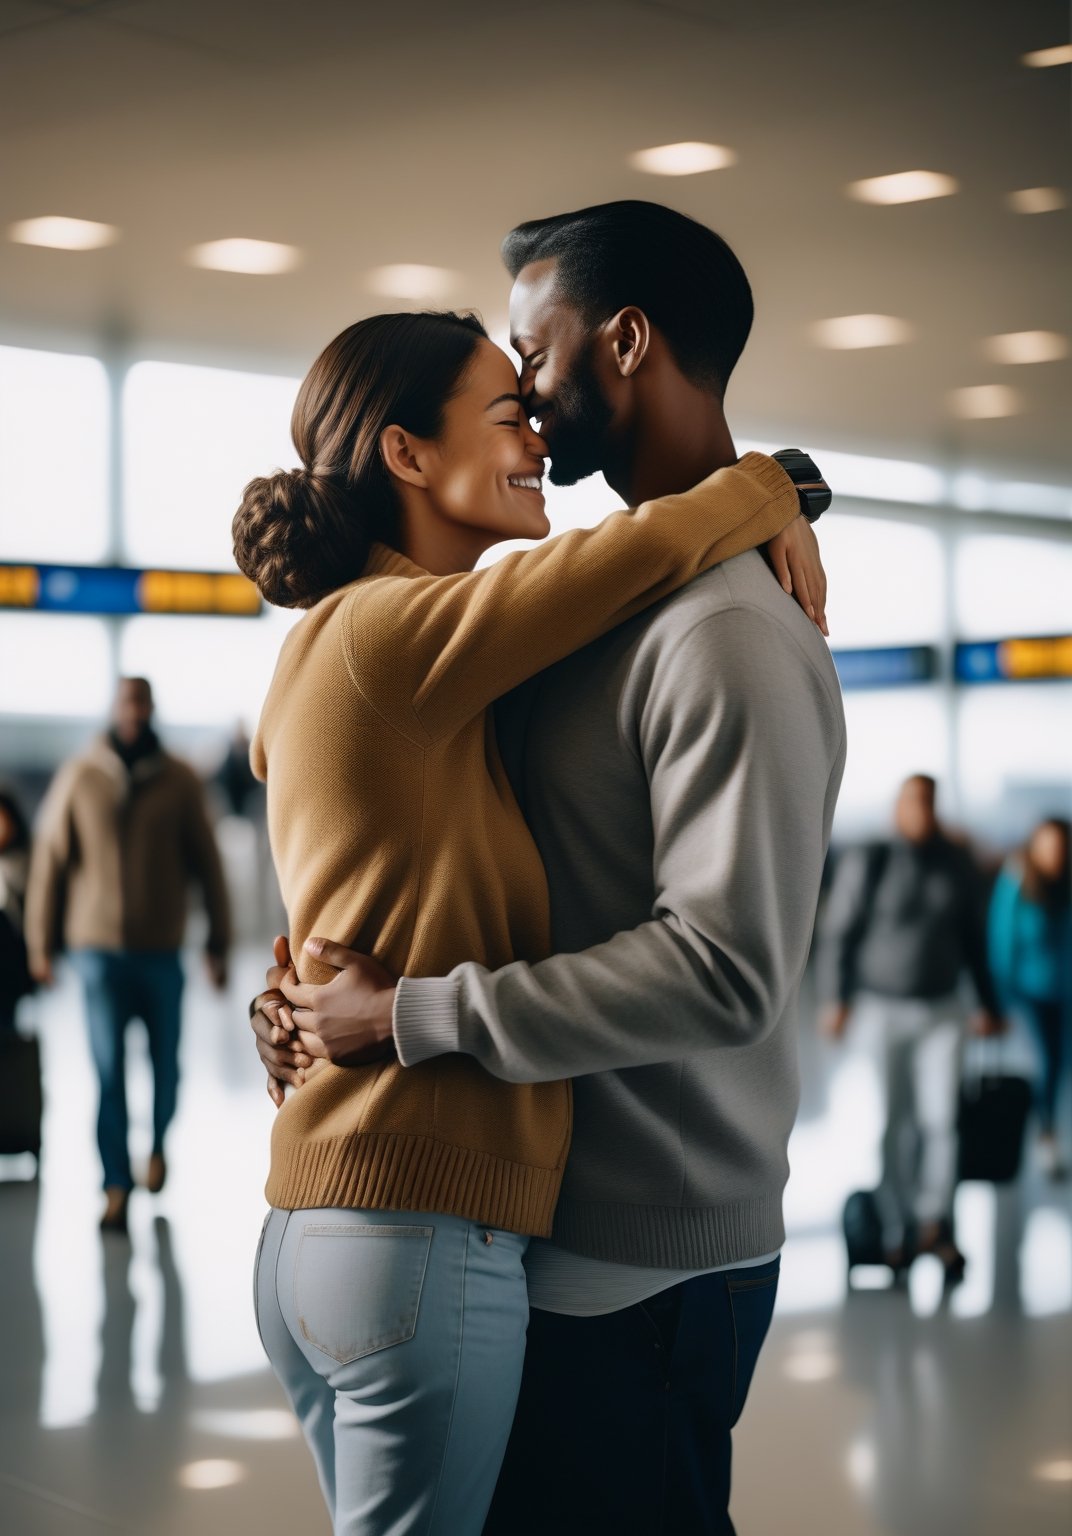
(903, 925)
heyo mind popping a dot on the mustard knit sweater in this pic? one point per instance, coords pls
(394, 830)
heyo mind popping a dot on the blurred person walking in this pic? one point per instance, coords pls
(15, 978)
(242, 791)
(123, 832)
(1030, 941)
(904, 924)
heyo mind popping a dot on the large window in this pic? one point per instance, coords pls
(52, 664)
(1014, 745)
(1012, 586)
(192, 438)
(53, 457)
(205, 671)
(892, 733)
(887, 587)
(887, 581)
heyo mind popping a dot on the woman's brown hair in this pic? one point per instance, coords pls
(1037, 886)
(302, 533)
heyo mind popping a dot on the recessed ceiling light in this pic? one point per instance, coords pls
(261, 258)
(904, 187)
(1046, 58)
(983, 402)
(64, 234)
(846, 333)
(1037, 200)
(688, 158)
(411, 280)
(1026, 347)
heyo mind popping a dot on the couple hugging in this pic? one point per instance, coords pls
(567, 815)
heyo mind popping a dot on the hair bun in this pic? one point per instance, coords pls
(285, 536)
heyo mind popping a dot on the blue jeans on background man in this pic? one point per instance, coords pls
(121, 985)
(623, 1423)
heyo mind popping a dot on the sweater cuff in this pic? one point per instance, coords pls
(770, 475)
(425, 1018)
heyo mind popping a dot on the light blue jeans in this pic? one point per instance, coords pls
(399, 1338)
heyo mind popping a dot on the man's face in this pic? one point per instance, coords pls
(133, 711)
(914, 814)
(558, 380)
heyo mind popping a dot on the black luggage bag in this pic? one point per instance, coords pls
(20, 1093)
(991, 1120)
(862, 1226)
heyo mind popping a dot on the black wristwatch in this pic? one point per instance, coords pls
(815, 495)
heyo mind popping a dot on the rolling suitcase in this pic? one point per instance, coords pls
(20, 1093)
(991, 1120)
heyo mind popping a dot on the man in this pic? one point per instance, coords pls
(123, 831)
(679, 777)
(903, 925)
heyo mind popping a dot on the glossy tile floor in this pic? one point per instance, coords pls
(134, 1396)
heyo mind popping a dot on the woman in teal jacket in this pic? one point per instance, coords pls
(1031, 960)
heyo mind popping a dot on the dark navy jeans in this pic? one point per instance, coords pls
(121, 985)
(1049, 1026)
(623, 1423)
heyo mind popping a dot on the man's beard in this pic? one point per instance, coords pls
(580, 420)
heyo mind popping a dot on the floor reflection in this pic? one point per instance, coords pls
(134, 1394)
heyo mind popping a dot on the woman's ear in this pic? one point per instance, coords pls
(401, 454)
(629, 332)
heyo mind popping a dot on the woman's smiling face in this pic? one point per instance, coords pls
(485, 469)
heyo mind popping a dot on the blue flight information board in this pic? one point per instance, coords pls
(1013, 661)
(891, 666)
(120, 591)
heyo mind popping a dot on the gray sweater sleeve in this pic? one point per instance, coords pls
(740, 735)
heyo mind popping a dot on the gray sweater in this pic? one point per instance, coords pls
(679, 777)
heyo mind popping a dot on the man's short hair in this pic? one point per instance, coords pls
(923, 779)
(680, 273)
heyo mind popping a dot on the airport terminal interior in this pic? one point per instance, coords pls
(195, 198)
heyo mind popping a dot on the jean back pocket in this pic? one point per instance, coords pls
(357, 1288)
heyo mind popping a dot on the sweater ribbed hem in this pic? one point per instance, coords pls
(671, 1237)
(381, 1172)
(425, 1019)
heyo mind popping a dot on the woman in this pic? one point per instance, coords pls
(408, 1197)
(1031, 958)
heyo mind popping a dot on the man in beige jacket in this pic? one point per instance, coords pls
(123, 831)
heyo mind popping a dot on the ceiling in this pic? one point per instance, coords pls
(369, 134)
